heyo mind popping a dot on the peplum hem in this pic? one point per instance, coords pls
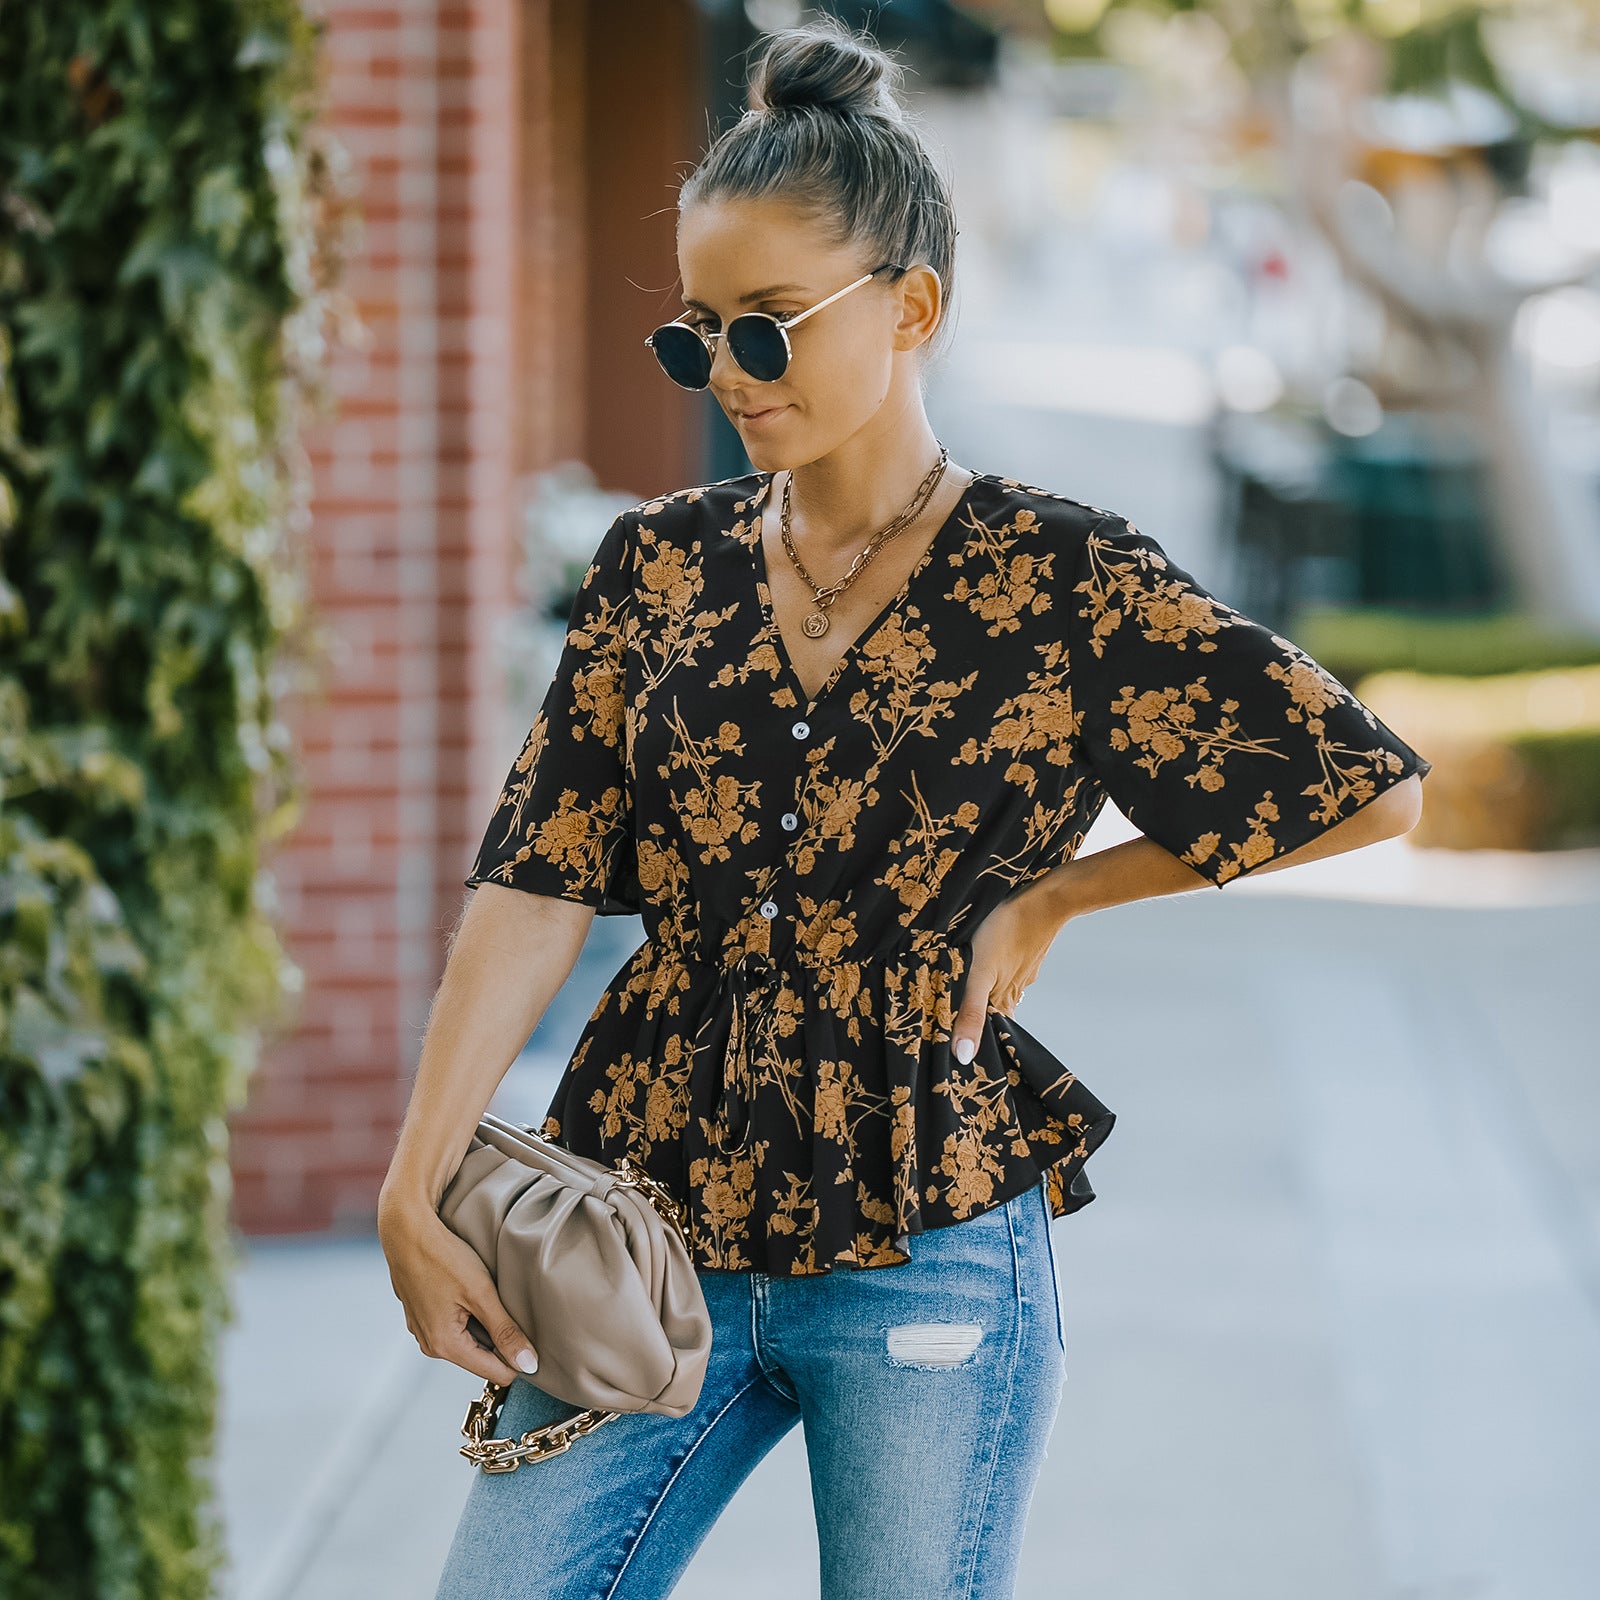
(808, 1109)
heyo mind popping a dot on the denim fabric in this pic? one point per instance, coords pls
(927, 1391)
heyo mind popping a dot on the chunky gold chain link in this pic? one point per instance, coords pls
(539, 1444)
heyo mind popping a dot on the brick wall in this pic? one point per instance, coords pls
(412, 550)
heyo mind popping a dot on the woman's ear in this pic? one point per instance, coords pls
(921, 306)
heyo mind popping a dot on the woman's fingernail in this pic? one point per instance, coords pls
(965, 1049)
(527, 1360)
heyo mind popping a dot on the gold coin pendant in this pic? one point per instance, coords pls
(815, 625)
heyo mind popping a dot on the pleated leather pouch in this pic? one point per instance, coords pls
(593, 1265)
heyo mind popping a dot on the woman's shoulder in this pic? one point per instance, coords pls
(1078, 530)
(702, 499)
(680, 516)
(1050, 506)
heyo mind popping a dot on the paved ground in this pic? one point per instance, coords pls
(1333, 1323)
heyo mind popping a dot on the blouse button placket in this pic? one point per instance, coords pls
(791, 819)
(747, 986)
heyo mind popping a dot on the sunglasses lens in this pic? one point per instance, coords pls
(682, 354)
(757, 345)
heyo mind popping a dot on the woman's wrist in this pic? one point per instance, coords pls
(402, 1197)
(1071, 889)
(1134, 869)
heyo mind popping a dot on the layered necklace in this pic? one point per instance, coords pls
(816, 623)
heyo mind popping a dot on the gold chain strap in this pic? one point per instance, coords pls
(506, 1455)
(538, 1444)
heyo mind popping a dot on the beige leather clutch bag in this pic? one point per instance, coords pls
(593, 1265)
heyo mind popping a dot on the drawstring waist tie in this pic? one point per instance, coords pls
(740, 1019)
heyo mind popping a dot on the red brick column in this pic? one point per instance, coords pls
(413, 529)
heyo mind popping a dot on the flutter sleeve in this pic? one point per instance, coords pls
(564, 822)
(1216, 737)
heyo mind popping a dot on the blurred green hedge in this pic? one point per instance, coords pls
(1565, 768)
(162, 194)
(1352, 644)
(1465, 691)
(1516, 754)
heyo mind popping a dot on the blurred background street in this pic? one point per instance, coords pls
(1338, 1349)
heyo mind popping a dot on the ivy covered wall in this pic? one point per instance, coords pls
(166, 208)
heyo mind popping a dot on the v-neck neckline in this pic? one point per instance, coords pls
(769, 612)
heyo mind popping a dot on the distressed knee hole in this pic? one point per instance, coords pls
(933, 1344)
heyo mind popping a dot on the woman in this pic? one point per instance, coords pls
(847, 796)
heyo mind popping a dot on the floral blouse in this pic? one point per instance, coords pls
(777, 1052)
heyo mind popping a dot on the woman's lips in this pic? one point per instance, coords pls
(756, 419)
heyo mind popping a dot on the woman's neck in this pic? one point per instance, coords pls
(833, 511)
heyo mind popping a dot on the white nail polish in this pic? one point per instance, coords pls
(965, 1050)
(527, 1361)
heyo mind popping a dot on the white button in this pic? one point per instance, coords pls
(800, 729)
(790, 820)
(769, 908)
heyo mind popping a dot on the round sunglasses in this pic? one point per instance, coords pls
(758, 341)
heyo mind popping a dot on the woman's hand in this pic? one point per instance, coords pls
(440, 1280)
(1008, 949)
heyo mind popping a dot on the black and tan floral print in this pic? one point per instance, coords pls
(777, 1052)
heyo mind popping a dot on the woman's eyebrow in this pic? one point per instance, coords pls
(754, 295)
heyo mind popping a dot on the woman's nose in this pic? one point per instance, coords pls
(723, 366)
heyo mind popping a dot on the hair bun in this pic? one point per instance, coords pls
(825, 66)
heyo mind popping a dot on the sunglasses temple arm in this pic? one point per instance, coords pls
(793, 321)
(783, 322)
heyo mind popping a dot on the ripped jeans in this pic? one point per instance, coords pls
(927, 1390)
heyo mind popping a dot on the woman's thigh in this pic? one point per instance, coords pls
(620, 1515)
(928, 1392)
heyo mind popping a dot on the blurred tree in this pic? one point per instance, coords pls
(168, 223)
(1407, 129)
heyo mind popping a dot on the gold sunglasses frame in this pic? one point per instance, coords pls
(781, 323)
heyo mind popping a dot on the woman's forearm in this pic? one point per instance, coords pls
(510, 955)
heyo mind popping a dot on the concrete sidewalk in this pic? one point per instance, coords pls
(1333, 1322)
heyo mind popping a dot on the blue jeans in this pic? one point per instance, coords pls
(927, 1390)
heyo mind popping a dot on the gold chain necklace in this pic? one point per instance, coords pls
(816, 622)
